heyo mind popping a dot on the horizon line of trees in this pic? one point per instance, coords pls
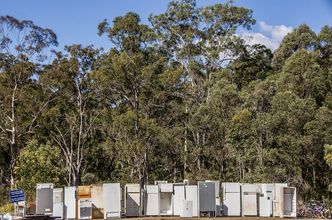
(183, 97)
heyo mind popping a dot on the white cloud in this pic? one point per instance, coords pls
(269, 35)
(258, 38)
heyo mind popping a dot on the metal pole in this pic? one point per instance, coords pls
(15, 208)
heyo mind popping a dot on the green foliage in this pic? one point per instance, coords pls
(328, 159)
(328, 154)
(7, 208)
(253, 63)
(325, 46)
(38, 163)
(301, 38)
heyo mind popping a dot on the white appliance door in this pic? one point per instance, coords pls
(232, 204)
(133, 204)
(58, 202)
(70, 202)
(178, 199)
(112, 200)
(265, 200)
(152, 200)
(192, 195)
(265, 207)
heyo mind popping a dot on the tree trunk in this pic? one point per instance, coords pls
(13, 137)
(185, 146)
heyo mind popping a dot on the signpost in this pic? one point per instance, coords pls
(16, 196)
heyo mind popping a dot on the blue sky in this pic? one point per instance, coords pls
(75, 21)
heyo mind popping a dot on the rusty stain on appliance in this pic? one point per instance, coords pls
(97, 201)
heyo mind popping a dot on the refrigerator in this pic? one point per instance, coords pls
(265, 200)
(250, 200)
(166, 198)
(218, 201)
(132, 200)
(44, 199)
(191, 194)
(288, 202)
(96, 192)
(277, 197)
(152, 200)
(231, 205)
(207, 198)
(58, 202)
(112, 200)
(70, 202)
(178, 198)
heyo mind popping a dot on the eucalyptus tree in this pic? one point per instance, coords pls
(70, 120)
(325, 46)
(22, 100)
(300, 38)
(142, 91)
(317, 171)
(203, 41)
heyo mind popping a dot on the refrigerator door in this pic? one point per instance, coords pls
(70, 202)
(179, 196)
(192, 195)
(231, 187)
(166, 187)
(232, 204)
(265, 200)
(250, 199)
(152, 200)
(133, 200)
(58, 202)
(217, 185)
(231, 199)
(44, 199)
(112, 200)
(207, 197)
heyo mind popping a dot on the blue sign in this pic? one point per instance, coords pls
(16, 195)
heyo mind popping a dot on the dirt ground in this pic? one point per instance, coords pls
(213, 218)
